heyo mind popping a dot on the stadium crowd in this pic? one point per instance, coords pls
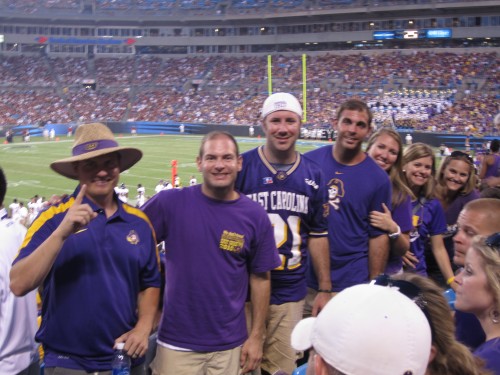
(428, 215)
(422, 90)
(194, 7)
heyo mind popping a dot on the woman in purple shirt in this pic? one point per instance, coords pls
(386, 148)
(478, 292)
(428, 215)
(456, 185)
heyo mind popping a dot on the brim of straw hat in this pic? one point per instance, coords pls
(128, 157)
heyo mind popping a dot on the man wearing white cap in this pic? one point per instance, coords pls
(97, 261)
(366, 329)
(293, 192)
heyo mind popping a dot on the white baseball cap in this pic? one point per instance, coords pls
(369, 329)
(281, 101)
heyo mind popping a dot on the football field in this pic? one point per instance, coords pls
(26, 165)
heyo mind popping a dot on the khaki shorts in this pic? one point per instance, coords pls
(175, 362)
(309, 302)
(280, 322)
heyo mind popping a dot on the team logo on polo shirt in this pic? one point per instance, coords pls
(133, 237)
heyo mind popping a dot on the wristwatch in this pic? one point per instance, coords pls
(396, 234)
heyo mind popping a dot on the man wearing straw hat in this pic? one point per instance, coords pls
(96, 259)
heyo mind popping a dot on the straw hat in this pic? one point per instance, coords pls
(92, 140)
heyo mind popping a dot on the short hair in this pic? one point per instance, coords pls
(417, 151)
(217, 134)
(355, 105)
(495, 145)
(3, 186)
(490, 192)
(488, 207)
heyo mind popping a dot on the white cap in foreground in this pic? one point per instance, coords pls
(369, 329)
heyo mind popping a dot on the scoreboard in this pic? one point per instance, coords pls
(412, 34)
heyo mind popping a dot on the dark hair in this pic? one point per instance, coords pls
(3, 186)
(495, 145)
(355, 105)
(490, 192)
(217, 134)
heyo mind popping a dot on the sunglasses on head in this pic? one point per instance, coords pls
(456, 154)
(408, 289)
(493, 241)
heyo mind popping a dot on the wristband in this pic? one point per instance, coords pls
(324, 291)
(396, 234)
(450, 280)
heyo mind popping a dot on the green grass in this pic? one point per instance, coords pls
(26, 165)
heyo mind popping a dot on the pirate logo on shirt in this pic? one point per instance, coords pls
(133, 237)
(335, 192)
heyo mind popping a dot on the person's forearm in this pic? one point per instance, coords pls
(29, 273)
(400, 245)
(441, 256)
(260, 294)
(320, 256)
(378, 253)
(148, 303)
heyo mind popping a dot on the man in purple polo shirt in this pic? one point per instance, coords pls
(97, 261)
(218, 243)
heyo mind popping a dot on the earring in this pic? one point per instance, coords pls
(495, 317)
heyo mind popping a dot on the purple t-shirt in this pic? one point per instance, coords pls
(402, 215)
(492, 170)
(490, 353)
(295, 201)
(468, 330)
(353, 192)
(428, 221)
(211, 247)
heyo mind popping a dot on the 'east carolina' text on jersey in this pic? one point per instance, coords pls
(296, 202)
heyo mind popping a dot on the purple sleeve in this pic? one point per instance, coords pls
(265, 255)
(402, 215)
(437, 223)
(155, 210)
(382, 194)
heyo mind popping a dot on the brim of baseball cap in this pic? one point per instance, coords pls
(301, 334)
(128, 157)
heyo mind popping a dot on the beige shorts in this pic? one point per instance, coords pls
(309, 302)
(280, 322)
(175, 362)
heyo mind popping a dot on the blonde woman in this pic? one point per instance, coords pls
(448, 356)
(456, 185)
(478, 292)
(386, 149)
(429, 223)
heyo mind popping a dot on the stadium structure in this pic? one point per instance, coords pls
(423, 65)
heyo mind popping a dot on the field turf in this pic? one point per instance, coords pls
(26, 165)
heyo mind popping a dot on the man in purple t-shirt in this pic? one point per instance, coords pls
(218, 244)
(356, 186)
